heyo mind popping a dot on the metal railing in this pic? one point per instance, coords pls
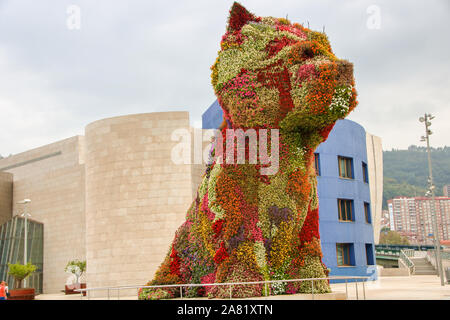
(387, 252)
(231, 284)
(404, 257)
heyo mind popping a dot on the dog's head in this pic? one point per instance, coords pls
(271, 73)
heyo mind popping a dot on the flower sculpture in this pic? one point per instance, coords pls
(244, 226)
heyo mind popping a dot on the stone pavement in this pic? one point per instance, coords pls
(416, 287)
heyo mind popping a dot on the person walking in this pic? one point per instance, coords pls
(7, 290)
(2, 291)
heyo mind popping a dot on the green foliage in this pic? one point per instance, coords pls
(392, 237)
(406, 171)
(76, 267)
(73, 265)
(20, 272)
(154, 294)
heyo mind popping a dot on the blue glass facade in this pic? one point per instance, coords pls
(347, 139)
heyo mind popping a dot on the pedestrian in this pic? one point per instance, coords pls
(7, 290)
(2, 291)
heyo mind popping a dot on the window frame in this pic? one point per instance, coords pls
(317, 163)
(351, 206)
(340, 247)
(365, 172)
(367, 213)
(348, 161)
(367, 255)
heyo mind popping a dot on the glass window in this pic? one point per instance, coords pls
(365, 173)
(343, 251)
(369, 254)
(11, 249)
(345, 208)
(367, 212)
(317, 163)
(345, 167)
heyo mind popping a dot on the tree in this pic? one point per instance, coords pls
(392, 237)
(20, 272)
(76, 267)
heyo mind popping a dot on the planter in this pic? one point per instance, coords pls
(70, 289)
(21, 294)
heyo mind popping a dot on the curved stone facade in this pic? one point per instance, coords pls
(52, 176)
(136, 197)
(6, 180)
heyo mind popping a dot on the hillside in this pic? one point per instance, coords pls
(406, 171)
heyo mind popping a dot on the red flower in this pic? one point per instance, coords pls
(221, 254)
(217, 227)
(175, 262)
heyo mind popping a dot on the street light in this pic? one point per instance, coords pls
(427, 120)
(25, 242)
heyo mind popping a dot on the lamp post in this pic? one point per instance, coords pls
(427, 120)
(25, 242)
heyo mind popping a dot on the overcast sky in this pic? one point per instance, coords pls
(145, 56)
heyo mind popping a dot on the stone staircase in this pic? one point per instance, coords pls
(423, 267)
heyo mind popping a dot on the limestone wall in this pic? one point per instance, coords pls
(375, 168)
(52, 176)
(6, 180)
(136, 197)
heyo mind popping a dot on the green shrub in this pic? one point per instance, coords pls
(20, 272)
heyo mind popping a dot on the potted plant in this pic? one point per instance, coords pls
(77, 268)
(20, 272)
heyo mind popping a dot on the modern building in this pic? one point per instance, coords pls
(112, 197)
(413, 217)
(5, 196)
(446, 190)
(12, 249)
(350, 181)
(385, 222)
(115, 197)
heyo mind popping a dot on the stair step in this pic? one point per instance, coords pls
(425, 273)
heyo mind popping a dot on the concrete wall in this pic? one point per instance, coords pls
(375, 169)
(6, 181)
(347, 139)
(52, 176)
(394, 272)
(136, 197)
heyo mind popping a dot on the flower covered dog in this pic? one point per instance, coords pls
(248, 226)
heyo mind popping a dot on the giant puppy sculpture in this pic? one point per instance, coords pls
(245, 225)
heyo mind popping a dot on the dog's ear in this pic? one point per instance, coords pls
(239, 17)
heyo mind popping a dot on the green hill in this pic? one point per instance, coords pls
(406, 171)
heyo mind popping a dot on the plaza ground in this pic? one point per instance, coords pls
(416, 287)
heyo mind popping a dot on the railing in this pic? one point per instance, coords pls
(404, 257)
(403, 247)
(431, 256)
(388, 251)
(231, 284)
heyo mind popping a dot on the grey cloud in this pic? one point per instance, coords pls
(145, 56)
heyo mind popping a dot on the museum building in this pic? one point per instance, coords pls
(114, 198)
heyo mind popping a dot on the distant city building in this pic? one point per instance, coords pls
(385, 221)
(446, 190)
(412, 217)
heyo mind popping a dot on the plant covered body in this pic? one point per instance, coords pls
(244, 226)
